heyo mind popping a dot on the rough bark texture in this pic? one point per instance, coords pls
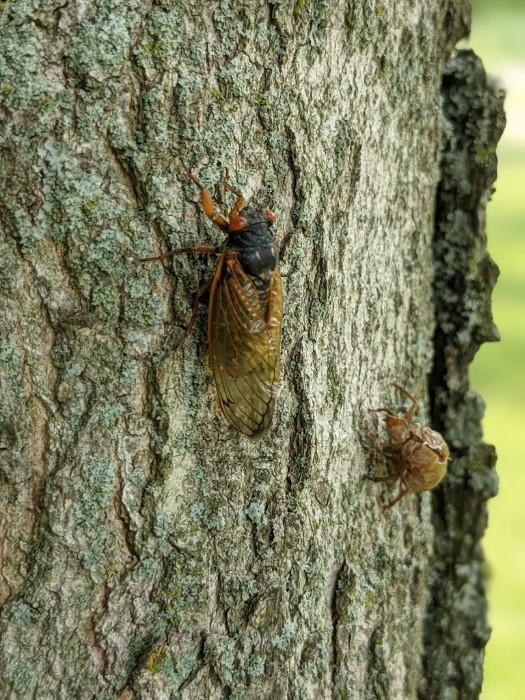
(456, 626)
(148, 551)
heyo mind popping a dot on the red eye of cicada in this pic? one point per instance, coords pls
(238, 223)
(270, 215)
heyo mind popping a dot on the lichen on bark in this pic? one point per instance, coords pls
(456, 628)
(148, 550)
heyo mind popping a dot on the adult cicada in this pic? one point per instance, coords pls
(244, 312)
(418, 455)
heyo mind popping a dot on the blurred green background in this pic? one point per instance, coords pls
(498, 371)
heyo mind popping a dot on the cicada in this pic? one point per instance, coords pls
(418, 455)
(244, 312)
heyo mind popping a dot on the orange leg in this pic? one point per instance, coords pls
(409, 414)
(239, 204)
(211, 208)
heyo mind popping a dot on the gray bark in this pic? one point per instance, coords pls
(147, 550)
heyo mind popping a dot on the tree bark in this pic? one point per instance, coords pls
(147, 550)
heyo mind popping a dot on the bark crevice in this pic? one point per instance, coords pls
(464, 277)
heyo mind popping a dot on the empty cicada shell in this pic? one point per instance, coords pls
(418, 455)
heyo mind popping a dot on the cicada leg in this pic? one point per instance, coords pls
(379, 479)
(210, 206)
(203, 249)
(206, 250)
(239, 204)
(391, 450)
(399, 496)
(410, 413)
(388, 411)
(393, 477)
(202, 291)
(284, 243)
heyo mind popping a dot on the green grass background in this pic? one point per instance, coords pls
(498, 371)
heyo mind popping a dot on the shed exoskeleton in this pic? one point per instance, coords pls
(418, 455)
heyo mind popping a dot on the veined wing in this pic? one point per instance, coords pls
(244, 336)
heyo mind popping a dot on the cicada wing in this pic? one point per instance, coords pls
(244, 335)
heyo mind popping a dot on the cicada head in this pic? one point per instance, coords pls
(251, 217)
(251, 236)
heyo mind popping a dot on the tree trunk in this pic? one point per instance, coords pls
(148, 550)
